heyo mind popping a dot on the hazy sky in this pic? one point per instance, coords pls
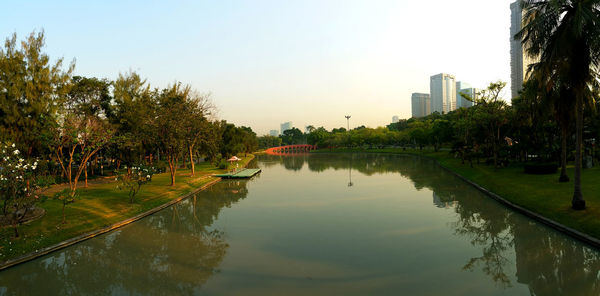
(267, 62)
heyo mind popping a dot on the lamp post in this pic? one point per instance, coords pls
(348, 119)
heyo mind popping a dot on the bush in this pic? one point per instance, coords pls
(223, 164)
(46, 181)
(160, 166)
(541, 168)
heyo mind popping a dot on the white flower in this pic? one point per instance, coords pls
(21, 159)
(34, 167)
(13, 145)
(25, 189)
(148, 176)
(16, 152)
(35, 163)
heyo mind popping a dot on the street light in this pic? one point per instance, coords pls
(348, 119)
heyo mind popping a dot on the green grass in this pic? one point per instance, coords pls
(100, 205)
(542, 194)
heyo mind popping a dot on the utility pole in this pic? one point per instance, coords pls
(348, 119)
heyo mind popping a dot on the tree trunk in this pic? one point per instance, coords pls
(191, 147)
(86, 173)
(495, 153)
(578, 203)
(16, 230)
(172, 168)
(563, 154)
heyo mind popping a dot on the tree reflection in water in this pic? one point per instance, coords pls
(171, 252)
(548, 262)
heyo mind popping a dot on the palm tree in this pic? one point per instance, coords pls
(565, 35)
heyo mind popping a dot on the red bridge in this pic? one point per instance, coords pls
(290, 149)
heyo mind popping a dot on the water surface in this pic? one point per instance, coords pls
(342, 224)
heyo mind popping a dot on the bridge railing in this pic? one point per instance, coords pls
(290, 149)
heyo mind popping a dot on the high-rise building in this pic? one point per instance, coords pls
(443, 93)
(464, 88)
(274, 133)
(395, 119)
(286, 126)
(421, 104)
(519, 61)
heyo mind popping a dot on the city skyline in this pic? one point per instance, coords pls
(267, 62)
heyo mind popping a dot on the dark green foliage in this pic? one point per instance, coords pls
(541, 168)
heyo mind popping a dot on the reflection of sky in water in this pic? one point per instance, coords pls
(405, 226)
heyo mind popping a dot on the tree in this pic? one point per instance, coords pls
(197, 129)
(419, 132)
(30, 92)
(565, 35)
(77, 138)
(268, 141)
(89, 98)
(249, 140)
(318, 137)
(170, 123)
(292, 136)
(441, 132)
(491, 116)
(133, 114)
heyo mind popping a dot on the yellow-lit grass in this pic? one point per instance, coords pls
(100, 205)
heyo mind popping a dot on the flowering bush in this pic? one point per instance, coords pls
(133, 181)
(17, 185)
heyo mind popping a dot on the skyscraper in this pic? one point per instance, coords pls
(395, 119)
(443, 93)
(421, 104)
(274, 133)
(518, 59)
(464, 88)
(286, 126)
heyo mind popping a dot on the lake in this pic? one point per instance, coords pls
(324, 224)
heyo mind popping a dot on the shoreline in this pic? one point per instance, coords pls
(93, 233)
(574, 233)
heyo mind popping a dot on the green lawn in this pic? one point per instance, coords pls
(542, 194)
(100, 205)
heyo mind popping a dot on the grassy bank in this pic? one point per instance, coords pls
(541, 194)
(100, 205)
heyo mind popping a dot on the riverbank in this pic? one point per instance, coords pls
(540, 194)
(101, 206)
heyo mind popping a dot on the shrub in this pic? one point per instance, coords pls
(160, 166)
(133, 182)
(18, 184)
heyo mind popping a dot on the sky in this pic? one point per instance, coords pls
(266, 62)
